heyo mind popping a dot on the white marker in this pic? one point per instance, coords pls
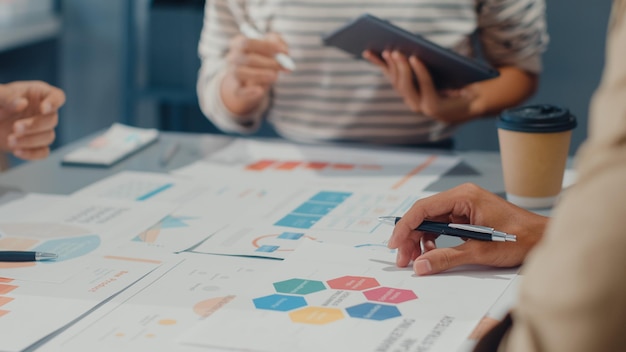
(249, 31)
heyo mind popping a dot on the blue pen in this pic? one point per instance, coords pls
(25, 256)
(481, 233)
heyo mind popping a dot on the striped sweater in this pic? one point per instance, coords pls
(331, 96)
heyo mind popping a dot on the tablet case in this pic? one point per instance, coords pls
(449, 69)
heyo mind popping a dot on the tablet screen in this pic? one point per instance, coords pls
(449, 69)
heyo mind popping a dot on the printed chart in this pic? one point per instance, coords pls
(144, 186)
(79, 230)
(278, 162)
(58, 304)
(341, 217)
(153, 234)
(67, 241)
(357, 300)
(153, 313)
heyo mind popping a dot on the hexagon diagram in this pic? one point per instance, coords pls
(390, 295)
(289, 298)
(281, 303)
(353, 283)
(316, 315)
(299, 286)
(373, 311)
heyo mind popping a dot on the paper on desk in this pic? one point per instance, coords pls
(151, 314)
(19, 204)
(81, 231)
(31, 311)
(203, 206)
(118, 142)
(275, 229)
(275, 162)
(335, 298)
(145, 187)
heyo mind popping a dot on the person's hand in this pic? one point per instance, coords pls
(450, 106)
(468, 204)
(252, 70)
(28, 116)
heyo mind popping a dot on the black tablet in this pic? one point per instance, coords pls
(448, 68)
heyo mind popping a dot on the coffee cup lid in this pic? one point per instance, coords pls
(542, 118)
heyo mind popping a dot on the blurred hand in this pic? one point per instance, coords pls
(28, 116)
(252, 70)
(468, 204)
(449, 106)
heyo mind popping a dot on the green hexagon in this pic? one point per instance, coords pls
(299, 286)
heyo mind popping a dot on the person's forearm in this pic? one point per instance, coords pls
(511, 88)
(570, 299)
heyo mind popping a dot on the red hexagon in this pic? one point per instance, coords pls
(390, 295)
(353, 283)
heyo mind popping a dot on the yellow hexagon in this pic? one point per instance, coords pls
(316, 315)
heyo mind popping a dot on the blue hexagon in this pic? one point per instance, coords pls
(281, 303)
(373, 311)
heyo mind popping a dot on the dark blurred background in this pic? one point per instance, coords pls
(135, 61)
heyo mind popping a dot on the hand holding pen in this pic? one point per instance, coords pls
(247, 28)
(465, 204)
(283, 59)
(254, 61)
(475, 232)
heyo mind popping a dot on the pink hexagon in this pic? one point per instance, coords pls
(390, 295)
(353, 283)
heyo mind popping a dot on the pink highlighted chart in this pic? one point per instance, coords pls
(291, 165)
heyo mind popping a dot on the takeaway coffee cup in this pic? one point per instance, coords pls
(534, 144)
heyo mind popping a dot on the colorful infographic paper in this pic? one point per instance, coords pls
(287, 163)
(151, 315)
(342, 217)
(137, 269)
(202, 207)
(30, 311)
(145, 187)
(335, 298)
(81, 231)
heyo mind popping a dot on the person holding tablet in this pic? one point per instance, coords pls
(328, 96)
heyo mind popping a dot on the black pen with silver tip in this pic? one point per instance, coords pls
(25, 256)
(476, 232)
